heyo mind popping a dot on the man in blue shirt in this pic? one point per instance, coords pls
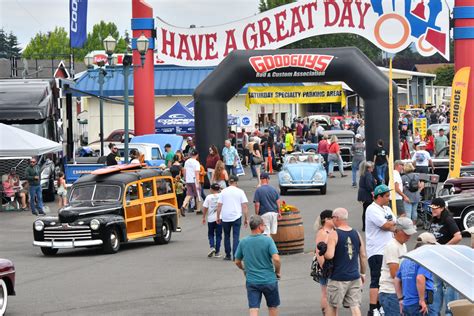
(230, 157)
(414, 284)
(267, 204)
(261, 266)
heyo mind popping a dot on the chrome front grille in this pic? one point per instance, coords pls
(67, 233)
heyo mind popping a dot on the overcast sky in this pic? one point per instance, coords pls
(28, 17)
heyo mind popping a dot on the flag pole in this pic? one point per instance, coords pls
(390, 150)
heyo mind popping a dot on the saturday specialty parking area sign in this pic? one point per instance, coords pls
(295, 94)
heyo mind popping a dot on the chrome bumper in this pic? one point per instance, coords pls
(68, 244)
(301, 185)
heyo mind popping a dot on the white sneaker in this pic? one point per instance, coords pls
(381, 311)
(212, 252)
(376, 312)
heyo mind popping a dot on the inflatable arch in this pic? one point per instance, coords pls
(294, 65)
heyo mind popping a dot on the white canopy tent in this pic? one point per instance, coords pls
(15, 142)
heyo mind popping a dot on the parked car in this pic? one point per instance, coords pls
(153, 154)
(117, 136)
(346, 139)
(465, 183)
(461, 206)
(106, 210)
(307, 147)
(302, 171)
(436, 127)
(323, 120)
(441, 164)
(7, 283)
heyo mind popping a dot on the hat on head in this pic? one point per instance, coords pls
(325, 214)
(381, 189)
(406, 224)
(215, 187)
(437, 202)
(264, 176)
(422, 144)
(189, 138)
(427, 238)
(233, 178)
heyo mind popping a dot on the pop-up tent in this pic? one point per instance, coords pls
(15, 142)
(177, 120)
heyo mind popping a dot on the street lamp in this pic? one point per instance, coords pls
(142, 47)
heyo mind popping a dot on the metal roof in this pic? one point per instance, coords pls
(169, 80)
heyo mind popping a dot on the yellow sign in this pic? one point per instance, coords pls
(422, 125)
(292, 94)
(458, 106)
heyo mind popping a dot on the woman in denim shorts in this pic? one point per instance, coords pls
(323, 226)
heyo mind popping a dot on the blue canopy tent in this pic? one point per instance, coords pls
(231, 119)
(177, 120)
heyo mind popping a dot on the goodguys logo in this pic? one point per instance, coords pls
(262, 64)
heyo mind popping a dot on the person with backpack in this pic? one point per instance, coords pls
(411, 188)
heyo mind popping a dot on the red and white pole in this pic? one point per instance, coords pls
(143, 77)
(463, 49)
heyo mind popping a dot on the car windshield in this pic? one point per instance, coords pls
(302, 158)
(96, 192)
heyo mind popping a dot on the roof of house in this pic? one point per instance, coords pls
(430, 68)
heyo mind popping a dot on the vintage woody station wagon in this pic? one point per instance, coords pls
(108, 209)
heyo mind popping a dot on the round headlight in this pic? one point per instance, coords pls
(39, 225)
(318, 176)
(95, 224)
(286, 177)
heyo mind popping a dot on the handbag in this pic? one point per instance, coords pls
(318, 272)
(257, 160)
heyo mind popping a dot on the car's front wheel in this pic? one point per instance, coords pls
(323, 189)
(468, 218)
(165, 236)
(111, 241)
(49, 251)
(3, 297)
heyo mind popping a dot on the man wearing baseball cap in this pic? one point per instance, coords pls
(414, 284)
(379, 225)
(422, 159)
(267, 204)
(446, 232)
(392, 254)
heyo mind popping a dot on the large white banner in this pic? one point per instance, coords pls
(392, 25)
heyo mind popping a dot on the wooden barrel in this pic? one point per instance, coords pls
(289, 238)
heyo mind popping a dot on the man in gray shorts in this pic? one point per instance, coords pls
(346, 248)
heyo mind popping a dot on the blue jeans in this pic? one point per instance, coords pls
(35, 191)
(230, 170)
(414, 310)
(442, 292)
(253, 169)
(214, 234)
(270, 291)
(381, 171)
(235, 226)
(339, 164)
(355, 169)
(390, 304)
(411, 210)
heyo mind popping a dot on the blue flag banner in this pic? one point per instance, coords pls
(78, 22)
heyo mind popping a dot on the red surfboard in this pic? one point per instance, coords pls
(116, 168)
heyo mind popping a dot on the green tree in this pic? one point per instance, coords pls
(329, 40)
(444, 76)
(94, 39)
(3, 44)
(13, 48)
(54, 44)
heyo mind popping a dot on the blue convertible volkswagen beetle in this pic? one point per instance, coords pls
(303, 171)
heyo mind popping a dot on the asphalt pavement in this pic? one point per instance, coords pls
(174, 279)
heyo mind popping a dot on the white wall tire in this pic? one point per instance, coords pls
(468, 218)
(3, 297)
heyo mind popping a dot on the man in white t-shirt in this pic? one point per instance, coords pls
(231, 205)
(392, 254)
(209, 213)
(191, 178)
(422, 159)
(379, 225)
(399, 195)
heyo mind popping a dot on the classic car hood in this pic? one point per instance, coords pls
(301, 171)
(88, 208)
(462, 197)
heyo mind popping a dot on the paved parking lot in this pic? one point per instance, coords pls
(174, 279)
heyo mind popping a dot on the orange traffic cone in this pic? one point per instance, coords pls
(270, 162)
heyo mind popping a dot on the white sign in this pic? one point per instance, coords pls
(245, 121)
(390, 25)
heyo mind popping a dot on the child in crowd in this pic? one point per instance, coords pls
(214, 230)
(62, 191)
